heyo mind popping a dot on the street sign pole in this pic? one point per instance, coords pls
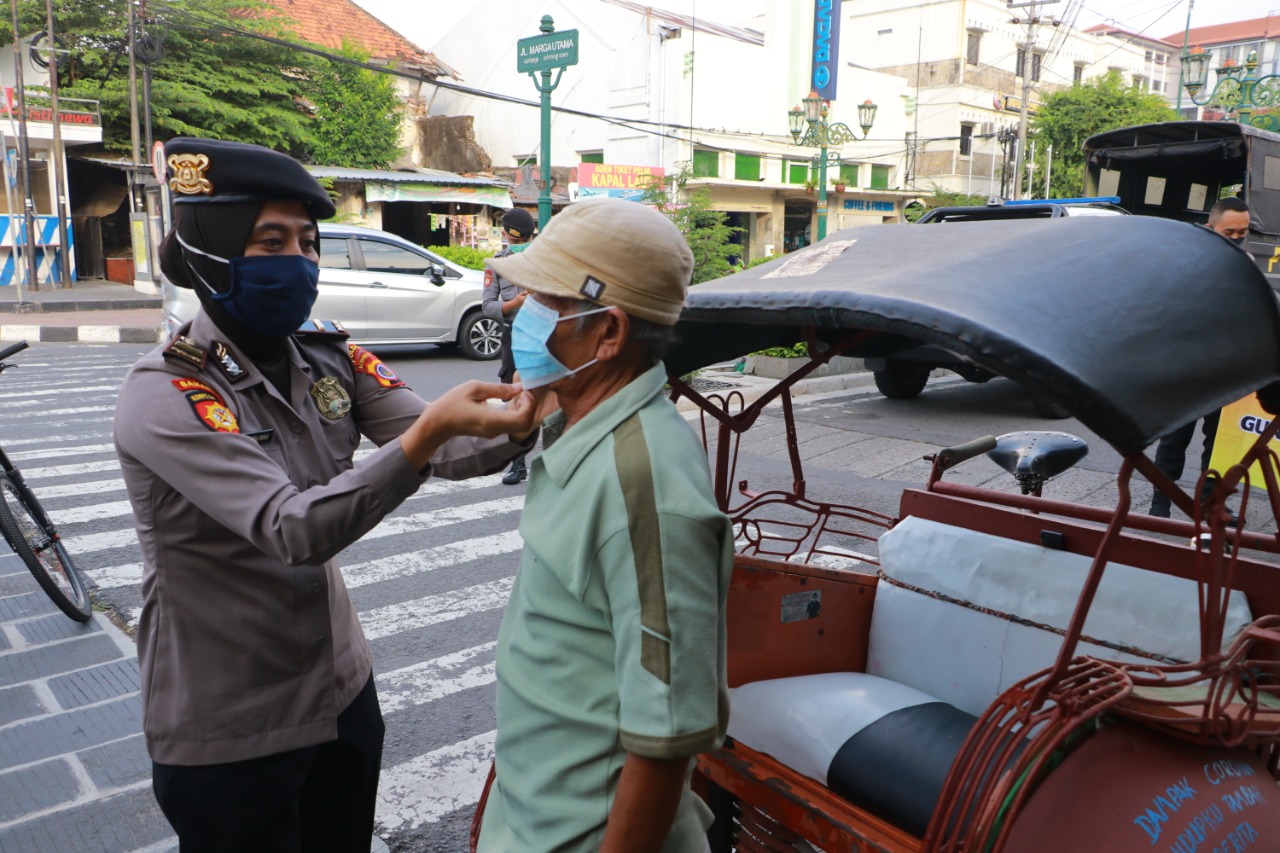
(538, 56)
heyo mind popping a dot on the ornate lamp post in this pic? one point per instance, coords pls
(821, 134)
(1237, 89)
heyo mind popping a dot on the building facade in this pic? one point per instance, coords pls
(1230, 45)
(660, 90)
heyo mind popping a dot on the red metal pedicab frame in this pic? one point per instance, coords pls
(1227, 697)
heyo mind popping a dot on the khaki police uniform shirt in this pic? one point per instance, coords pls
(248, 642)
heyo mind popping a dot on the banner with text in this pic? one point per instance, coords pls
(1238, 428)
(627, 182)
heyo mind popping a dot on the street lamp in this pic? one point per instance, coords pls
(819, 133)
(1237, 89)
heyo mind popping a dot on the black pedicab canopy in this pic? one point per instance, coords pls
(1134, 324)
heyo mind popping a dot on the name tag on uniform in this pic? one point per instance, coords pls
(262, 436)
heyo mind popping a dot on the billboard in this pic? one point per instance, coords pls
(606, 179)
(826, 48)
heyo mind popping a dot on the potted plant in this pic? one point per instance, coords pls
(811, 186)
(838, 184)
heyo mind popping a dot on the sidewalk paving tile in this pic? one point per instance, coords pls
(118, 764)
(37, 788)
(54, 627)
(19, 703)
(97, 684)
(56, 659)
(45, 737)
(93, 826)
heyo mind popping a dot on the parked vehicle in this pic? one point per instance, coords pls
(905, 375)
(995, 670)
(1179, 169)
(385, 290)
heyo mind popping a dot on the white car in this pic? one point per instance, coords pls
(385, 290)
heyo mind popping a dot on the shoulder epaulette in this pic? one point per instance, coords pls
(323, 327)
(183, 348)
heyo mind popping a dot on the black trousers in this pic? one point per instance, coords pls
(1171, 456)
(320, 798)
(507, 366)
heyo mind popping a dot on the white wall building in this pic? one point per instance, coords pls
(966, 58)
(660, 89)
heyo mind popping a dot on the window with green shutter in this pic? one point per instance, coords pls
(849, 174)
(879, 177)
(706, 164)
(794, 173)
(591, 157)
(746, 167)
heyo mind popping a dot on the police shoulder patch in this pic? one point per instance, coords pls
(366, 362)
(208, 405)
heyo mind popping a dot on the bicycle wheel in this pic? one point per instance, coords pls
(43, 553)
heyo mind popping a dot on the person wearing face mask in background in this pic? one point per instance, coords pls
(611, 657)
(235, 440)
(1229, 217)
(501, 301)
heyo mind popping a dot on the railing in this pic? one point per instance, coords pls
(73, 111)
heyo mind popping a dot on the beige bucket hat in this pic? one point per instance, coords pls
(612, 252)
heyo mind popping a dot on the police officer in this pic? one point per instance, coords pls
(502, 300)
(236, 441)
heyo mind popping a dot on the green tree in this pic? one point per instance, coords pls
(356, 114)
(213, 77)
(940, 197)
(706, 231)
(1069, 116)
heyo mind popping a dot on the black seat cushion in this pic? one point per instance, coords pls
(895, 767)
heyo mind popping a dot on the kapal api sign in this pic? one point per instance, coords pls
(826, 48)
(606, 179)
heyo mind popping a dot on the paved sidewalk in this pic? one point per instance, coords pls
(92, 311)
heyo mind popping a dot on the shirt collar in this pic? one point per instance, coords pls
(205, 331)
(562, 459)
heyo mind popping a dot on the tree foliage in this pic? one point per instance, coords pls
(210, 79)
(356, 114)
(706, 231)
(1070, 116)
(940, 197)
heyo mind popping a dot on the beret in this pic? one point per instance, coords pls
(212, 171)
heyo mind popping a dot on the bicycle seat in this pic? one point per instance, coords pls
(1033, 458)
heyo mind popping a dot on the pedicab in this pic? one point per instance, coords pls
(999, 670)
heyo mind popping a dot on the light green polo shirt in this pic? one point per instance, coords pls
(614, 639)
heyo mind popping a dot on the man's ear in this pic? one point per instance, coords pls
(612, 330)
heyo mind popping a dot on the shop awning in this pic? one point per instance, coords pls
(494, 196)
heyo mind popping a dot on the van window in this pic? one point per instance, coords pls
(1271, 173)
(388, 258)
(334, 254)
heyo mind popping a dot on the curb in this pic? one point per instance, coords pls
(88, 334)
(91, 305)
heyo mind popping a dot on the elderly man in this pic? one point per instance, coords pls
(611, 656)
(236, 440)
(1229, 217)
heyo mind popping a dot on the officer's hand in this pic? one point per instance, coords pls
(465, 410)
(520, 298)
(544, 403)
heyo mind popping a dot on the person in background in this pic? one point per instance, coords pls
(611, 656)
(1229, 217)
(236, 441)
(502, 301)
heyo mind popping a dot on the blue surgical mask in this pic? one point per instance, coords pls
(270, 295)
(530, 332)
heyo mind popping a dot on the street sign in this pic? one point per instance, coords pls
(548, 51)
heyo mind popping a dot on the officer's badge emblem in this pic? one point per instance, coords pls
(332, 399)
(188, 174)
(208, 406)
(227, 363)
(368, 363)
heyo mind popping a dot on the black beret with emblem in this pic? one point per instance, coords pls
(212, 171)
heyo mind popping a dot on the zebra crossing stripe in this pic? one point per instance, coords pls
(430, 559)
(427, 787)
(434, 609)
(435, 679)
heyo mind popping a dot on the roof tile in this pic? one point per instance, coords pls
(329, 22)
(1254, 28)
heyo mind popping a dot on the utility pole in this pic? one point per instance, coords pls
(1186, 37)
(134, 133)
(56, 161)
(1033, 23)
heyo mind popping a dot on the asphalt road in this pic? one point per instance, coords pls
(431, 581)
